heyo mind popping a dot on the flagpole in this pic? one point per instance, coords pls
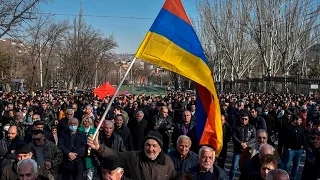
(112, 99)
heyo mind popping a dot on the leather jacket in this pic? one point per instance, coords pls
(242, 134)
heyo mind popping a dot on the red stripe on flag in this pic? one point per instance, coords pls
(176, 8)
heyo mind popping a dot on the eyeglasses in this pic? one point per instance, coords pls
(244, 119)
(252, 112)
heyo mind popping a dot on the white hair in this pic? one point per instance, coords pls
(70, 110)
(206, 148)
(29, 161)
(278, 174)
(119, 169)
(183, 137)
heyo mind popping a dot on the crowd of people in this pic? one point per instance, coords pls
(148, 137)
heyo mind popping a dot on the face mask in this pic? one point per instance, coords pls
(95, 107)
(265, 112)
(73, 128)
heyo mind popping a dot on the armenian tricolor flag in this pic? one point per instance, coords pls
(172, 43)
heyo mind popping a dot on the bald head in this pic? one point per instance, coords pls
(12, 132)
(278, 174)
(266, 149)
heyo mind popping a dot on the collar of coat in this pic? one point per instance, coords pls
(159, 160)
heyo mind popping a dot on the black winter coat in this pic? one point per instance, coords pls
(218, 174)
(138, 131)
(294, 137)
(242, 134)
(178, 131)
(182, 165)
(79, 147)
(138, 167)
(117, 142)
(125, 134)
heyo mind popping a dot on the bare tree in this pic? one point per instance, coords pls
(227, 43)
(283, 31)
(14, 12)
(269, 37)
(82, 53)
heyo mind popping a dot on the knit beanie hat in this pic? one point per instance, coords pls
(155, 135)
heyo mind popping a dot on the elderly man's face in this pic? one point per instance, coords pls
(152, 149)
(262, 138)
(69, 115)
(108, 129)
(207, 159)
(183, 146)
(139, 116)
(73, 123)
(26, 172)
(112, 175)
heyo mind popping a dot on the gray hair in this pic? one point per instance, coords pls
(70, 110)
(73, 119)
(206, 148)
(29, 161)
(261, 131)
(108, 122)
(140, 112)
(183, 137)
(278, 174)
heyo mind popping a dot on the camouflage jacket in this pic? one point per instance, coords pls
(52, 154)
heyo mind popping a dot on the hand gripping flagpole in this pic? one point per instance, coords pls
(111, 101)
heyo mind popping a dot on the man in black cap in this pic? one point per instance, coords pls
(149, 164)
(38, 125)
(280, 125)
(111, 169)
(9, 172)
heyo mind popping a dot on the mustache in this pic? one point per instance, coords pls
(206, 163)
